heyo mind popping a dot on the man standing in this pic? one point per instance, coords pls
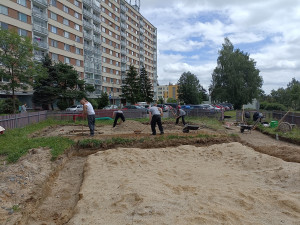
(180, 113)
(155, 114)
(118, 114)
(23, 108)
(88, 111)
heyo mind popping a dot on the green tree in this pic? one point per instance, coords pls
(146, 88)
(189, 89)
(171, 100)
(61, 83)
(103, 100)
(235, 79)
(160, 101)
(17, 66)
(130, 86)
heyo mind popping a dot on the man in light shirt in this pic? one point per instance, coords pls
(180, 114)
(155, 114)
(88, 111)
(118, 114)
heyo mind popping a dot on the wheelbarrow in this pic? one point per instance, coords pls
(187, 128)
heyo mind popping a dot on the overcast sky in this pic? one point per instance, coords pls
(190, 33)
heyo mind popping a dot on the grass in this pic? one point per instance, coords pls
(16, 143)
(294, 134)
(212, 123)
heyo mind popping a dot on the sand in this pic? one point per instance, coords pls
(219, 184)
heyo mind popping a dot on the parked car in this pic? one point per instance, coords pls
(135, 107)
(110, 107)
(75, 108)
(163, 106)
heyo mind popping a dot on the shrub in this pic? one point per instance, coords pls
(6, 106)
(94, 103)
(263, 105)
(62, 104)
(275, 106)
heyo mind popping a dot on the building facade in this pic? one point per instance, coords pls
(100, 38)
(167, 91)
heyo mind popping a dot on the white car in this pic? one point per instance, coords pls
(111, 107)
(75, 108)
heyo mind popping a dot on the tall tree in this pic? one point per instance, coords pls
(146, 88)
(130, 86)
(61, 83)
(103, 100)
(189, 89)
(17, 65)
(235, 79)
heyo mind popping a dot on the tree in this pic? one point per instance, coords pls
(160, 101)
(103, 100)
(146, 88)
(189, 89)
(61, 83)
(130, 86)
(171, 100)
(235, 79)
(17, 66)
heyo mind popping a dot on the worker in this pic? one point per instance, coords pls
(155, 114)
(88, 111)
(23, 108)
(118, 114)
(180, 114)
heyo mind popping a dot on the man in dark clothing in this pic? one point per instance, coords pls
(118, 114)
(155, 114)
(180, 114)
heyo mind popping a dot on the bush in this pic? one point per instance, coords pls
(275, 106)
(94, 103)
(6, 106)
(62, 104)
(263, 105)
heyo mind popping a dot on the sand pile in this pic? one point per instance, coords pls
(220, 184)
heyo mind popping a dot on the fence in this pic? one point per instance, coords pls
(291, 117)
(22, 119)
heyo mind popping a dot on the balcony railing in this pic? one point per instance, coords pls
(88, 2)
(40, 29)
(39, 14)
(97, 51)
(87, 36)
(97, 40)
(87, 13)
(97, 71)
(40, 44)
(123, 26)
(123, 8)
(123, 34)
(88, 48)
(123, 43)
(123, 52)
(96, 8)
(123, 60)
(123, 17)
(96, 18)
(90, 81)
(41, 2)
(98, 82)
(142, 23)
(88, 69)
(38, 57)
(87, 24)
(97, 29)
(97, 92)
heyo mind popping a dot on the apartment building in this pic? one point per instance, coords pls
(167, 91)
(100, 38)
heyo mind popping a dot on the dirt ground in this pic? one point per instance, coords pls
(36, 190)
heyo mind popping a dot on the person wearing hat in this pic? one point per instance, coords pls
(180, 114)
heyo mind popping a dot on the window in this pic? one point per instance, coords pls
(77, 51)
(67, 60)
(22, 2)
(22, 32)
(111, 80)
(110, 52)
(103, 9)
(103, 39)
(54, 43)
(53, 3)
(54, 57)
(53, 16)
(78, 62)
(77, 39)
(112, 89)
(110, 61)
(117, 54)
(104, 59)
(3, 10)
(117, 63)
(104, 69)
(109, 13)
(67, 47)
(117, 73)
(76, 15)
(23, 17)
(104, 79)
(4, 26)
(66, 9)
(110, 33)
(76, 3)
(76, 26)
(66, 34)
(66, 22)
(103, 19)
(103, 29)
(54, 29)
(109, 4)
(104, 50)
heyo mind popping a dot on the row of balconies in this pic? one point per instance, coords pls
(43, 3)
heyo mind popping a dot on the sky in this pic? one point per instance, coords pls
(191, 32)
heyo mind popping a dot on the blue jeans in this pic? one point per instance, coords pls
(91, 123)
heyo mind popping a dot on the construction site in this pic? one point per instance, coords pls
(124, 175)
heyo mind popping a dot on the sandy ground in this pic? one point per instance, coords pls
(220, 184)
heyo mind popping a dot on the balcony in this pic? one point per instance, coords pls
(97, 29)
(97, 51)
(97, 92)
(97, 40)
(98, 82)
(123, 43)
(38, 57)
(96, 8)
(123, 17)
(123, 26)
(87, 13)
(123, 8)
(88, 2)
(142, 45)
(88, 69)
(142, 52)
(142, 30)
(123, 51)
(42, 45)
(89, 81)
(87, 24)
(39, 29)
(123, 60)
(87, 36)
(88, 48)
(39, 14)
(142, 23)
(43, 3)
(96, 18)
(123, 34)
(97, 71)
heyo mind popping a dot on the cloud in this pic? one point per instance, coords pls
(191, 32)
